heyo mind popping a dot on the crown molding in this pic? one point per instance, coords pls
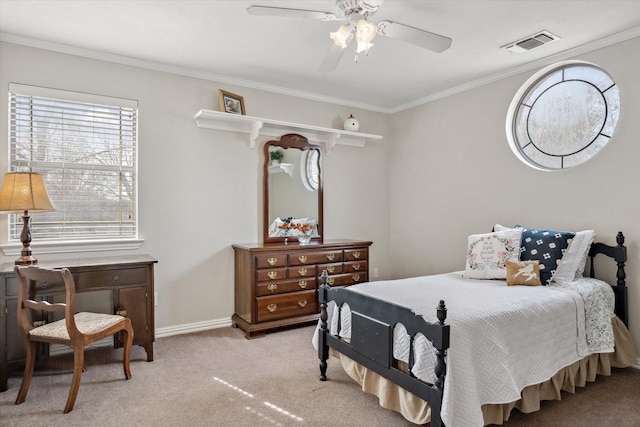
(184, 71)
(547, 60)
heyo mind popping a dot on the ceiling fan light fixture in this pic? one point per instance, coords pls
(365, 32)
(340, 37)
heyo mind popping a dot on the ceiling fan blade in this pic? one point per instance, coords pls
(415, 36)
(290, 13)
(333, 57)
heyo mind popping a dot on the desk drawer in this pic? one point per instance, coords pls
(109, 278)
(286, 305)
(11, 286)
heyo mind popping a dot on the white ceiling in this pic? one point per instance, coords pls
(220, 40)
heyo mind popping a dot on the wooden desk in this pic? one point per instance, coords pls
(129, 278)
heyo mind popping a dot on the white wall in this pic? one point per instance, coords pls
(443, 171)
(453, 174)
(200, 190)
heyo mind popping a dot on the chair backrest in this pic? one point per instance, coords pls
(34, 281)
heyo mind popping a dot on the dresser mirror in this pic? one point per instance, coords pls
(292, 185)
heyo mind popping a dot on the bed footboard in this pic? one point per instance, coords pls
(372, 324)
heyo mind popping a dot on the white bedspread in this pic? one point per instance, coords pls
(503, 338)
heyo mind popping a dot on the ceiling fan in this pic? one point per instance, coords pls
(356, 14)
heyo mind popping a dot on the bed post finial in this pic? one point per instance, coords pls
(442, 312)
(323, 348)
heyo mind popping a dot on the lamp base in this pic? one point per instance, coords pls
(26, 260)
(25, 238)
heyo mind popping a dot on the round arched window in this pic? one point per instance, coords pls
(310, 170)
(563, 115)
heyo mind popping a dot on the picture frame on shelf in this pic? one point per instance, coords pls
(231, 103)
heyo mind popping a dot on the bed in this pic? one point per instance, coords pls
(464, 349)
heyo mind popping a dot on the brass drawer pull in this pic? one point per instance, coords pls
(121, 313)
(272, 307)
(331, 280)
(272, 287)
(302, 272)
(302, 259)
(302, 284)
(355, 277)
(331, 268)
(272, 275)
(356, 254)
(272, 261)
(331, 257)
(302, 303)
(115, 279)
(356, 267)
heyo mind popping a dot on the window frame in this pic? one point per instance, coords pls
(528, 149)
(87, 244)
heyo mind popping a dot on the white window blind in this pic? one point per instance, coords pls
(85, 146)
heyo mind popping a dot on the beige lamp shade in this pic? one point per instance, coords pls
(24, 191)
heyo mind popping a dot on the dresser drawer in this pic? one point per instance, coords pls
(317, 257)
(271, 274)
(356, 267)
(345, 279)
(356, 254)
(286, 305)
(336, 268)
(283, 286)
(109, 278)
(302, 271)
(271, 260)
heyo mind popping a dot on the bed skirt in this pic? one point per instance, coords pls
(575, 375)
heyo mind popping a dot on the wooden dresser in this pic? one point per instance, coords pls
(129, 280)
(276, 283)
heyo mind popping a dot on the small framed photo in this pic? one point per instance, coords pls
(231, 103)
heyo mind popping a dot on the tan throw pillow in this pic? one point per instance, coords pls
(523, 273)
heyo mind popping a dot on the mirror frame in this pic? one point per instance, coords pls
(290, 141)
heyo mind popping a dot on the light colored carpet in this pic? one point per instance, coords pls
(219, 378)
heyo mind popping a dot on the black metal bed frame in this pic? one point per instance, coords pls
(373, 321)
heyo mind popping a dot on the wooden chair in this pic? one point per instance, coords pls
(75, 329)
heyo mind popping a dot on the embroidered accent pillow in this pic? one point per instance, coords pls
(546, 246)
(523, 273)
(487, 254)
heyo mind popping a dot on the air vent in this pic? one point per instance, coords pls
(531, 42)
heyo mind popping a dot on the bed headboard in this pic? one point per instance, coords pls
(619, 254)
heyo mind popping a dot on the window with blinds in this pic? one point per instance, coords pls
(85, 146)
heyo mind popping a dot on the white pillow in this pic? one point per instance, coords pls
(487, 254)
(575, 258)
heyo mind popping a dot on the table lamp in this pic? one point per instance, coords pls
(24, 192)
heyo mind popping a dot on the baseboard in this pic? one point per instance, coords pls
(187, 328)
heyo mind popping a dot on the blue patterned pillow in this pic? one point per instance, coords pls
(546, 246)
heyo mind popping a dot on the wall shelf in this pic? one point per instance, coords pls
(256, 127)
